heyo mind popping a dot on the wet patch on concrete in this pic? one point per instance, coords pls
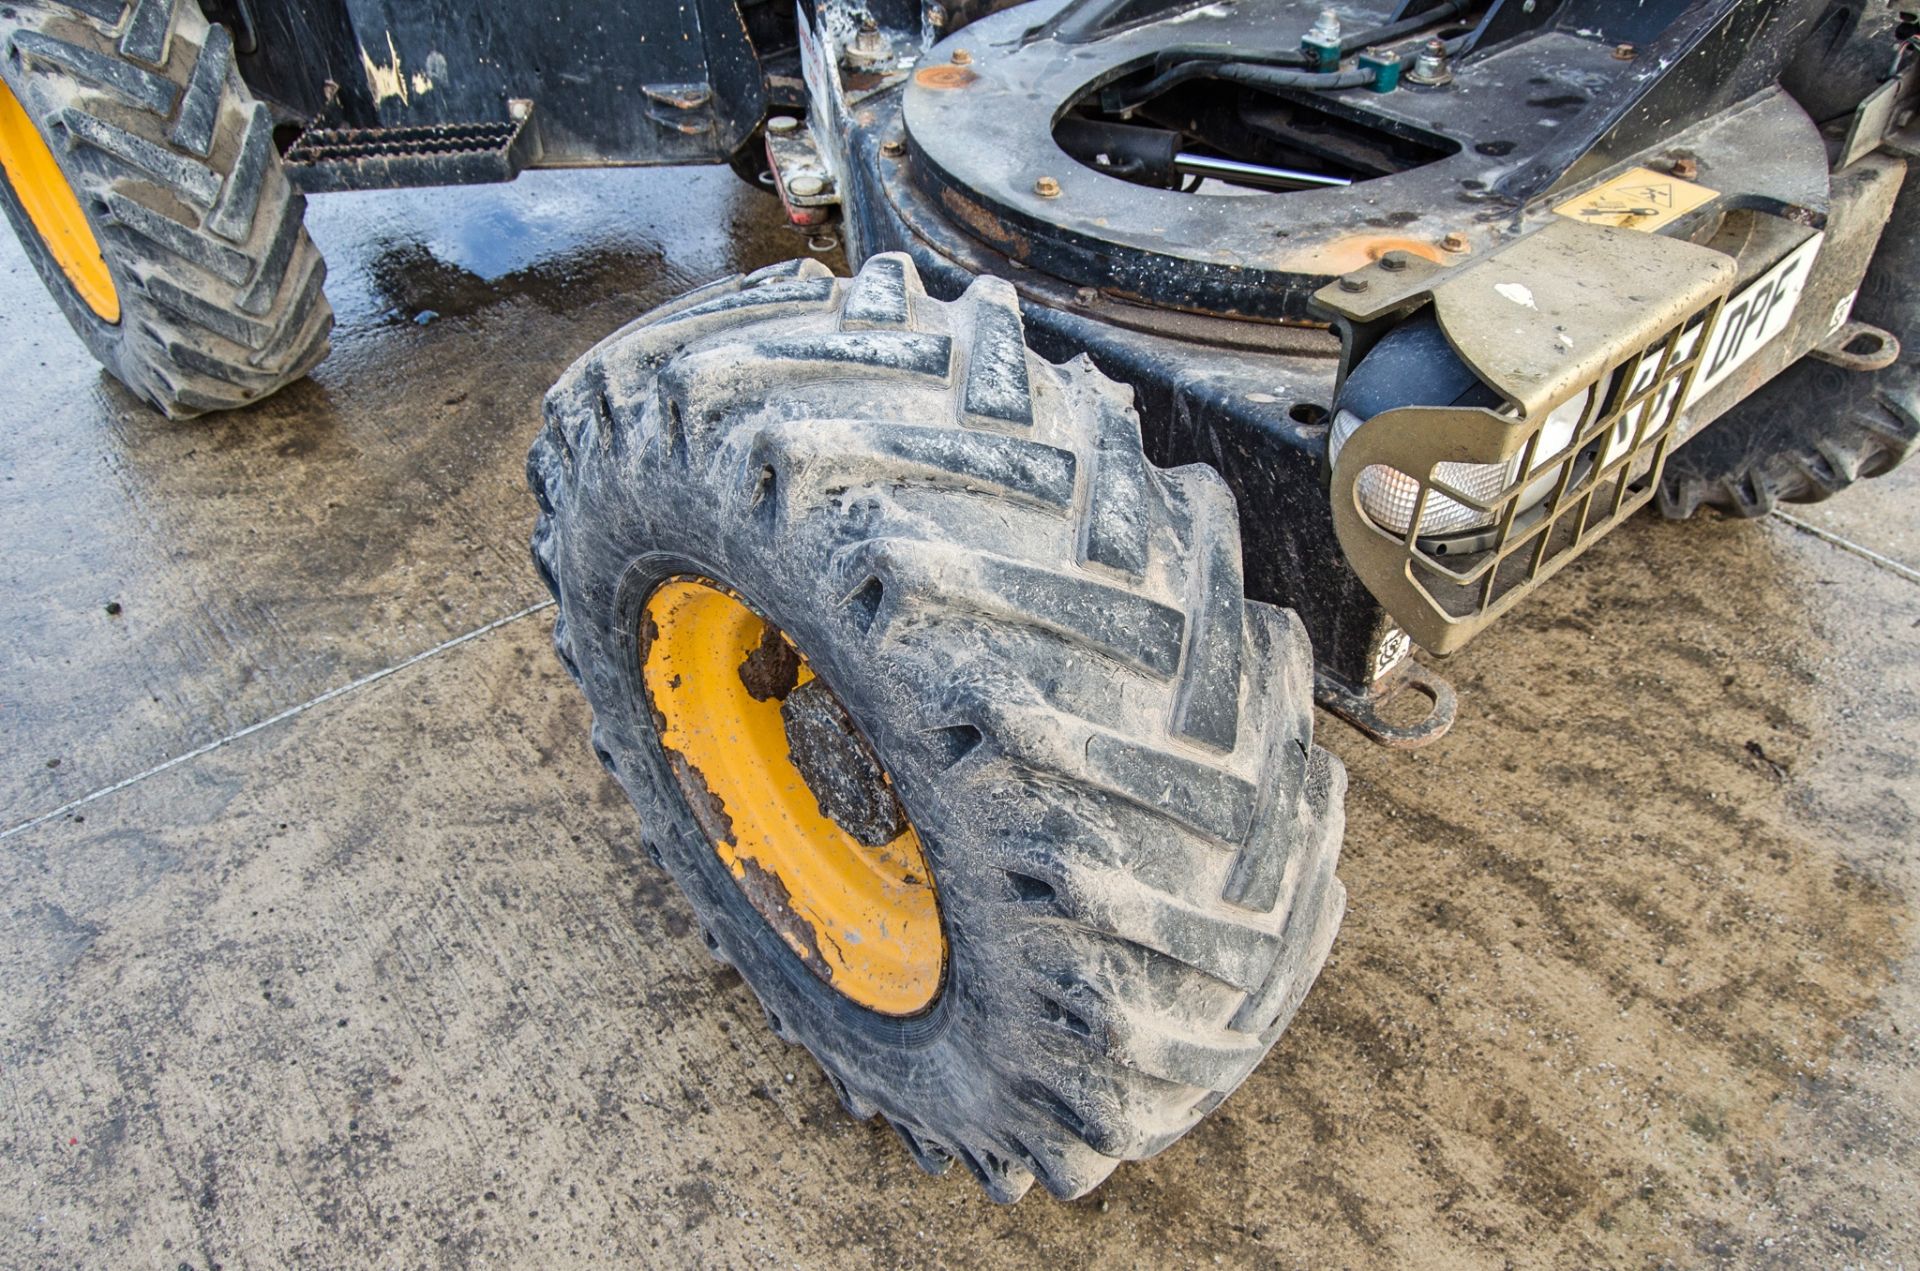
(261, 557)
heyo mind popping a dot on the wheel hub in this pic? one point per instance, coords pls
(791, 797)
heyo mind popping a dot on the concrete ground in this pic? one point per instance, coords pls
(325, 941)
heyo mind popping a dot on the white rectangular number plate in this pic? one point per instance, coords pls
(1746, 323)
(1761, 311)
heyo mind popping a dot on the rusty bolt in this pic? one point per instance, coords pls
(962, 58)
(1455, 242)
(1431, 67)
(1085, 296)
(782, 123)
(1351, 283)
(1047, 188)
(1625, 52)
(1685, 169)
(893, 147)
(1393, 262)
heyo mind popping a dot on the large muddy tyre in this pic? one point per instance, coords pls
(143, 182)
(1816, 428)
(992, 640)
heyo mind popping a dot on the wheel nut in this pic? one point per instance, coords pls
(782, 123)
(893, 148)
(1047, 188)
(961, 57)
(1454, 242)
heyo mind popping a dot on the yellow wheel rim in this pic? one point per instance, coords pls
(42, 189)
(726, 689)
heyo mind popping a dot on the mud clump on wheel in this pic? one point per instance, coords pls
(1043, 643)
(218, 287)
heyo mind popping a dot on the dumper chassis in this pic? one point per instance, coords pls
(956, 627)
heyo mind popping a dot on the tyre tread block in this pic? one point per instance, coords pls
(305, 311)
(997, 383)
(773, 295)
(1117, 500)
(199, 113)
(915, 352)
(136, 87)
(200, 362)
(878, 296)
(1309, 933)
(1212, 1059)
(145, 39)
(1199, 795)
(1111, 902)
(1121, 624)
(192, 181)
(204, 313)
(239, 198)
(1207, 709)
(900, 454)
(107, 11)
(258, 299)
(163, 231)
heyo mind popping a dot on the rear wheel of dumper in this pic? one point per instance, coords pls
(142, 180)
(1816, 428)
(944, 709)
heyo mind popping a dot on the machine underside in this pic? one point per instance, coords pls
(1226, 206)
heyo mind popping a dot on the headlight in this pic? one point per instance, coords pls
(1387, 495)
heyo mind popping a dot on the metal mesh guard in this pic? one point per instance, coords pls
(1609, 470)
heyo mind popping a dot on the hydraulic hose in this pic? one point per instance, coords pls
(1199, 60)
(1236, 72)
(1405, 26)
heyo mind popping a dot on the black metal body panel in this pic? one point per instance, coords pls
(1519, 119)
(611, 81)
(1711, 57)
(1245, 396)
(299, 58)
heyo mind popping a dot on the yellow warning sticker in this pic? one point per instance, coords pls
(1639, 198)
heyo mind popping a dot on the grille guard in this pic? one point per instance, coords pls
(1570, 306)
